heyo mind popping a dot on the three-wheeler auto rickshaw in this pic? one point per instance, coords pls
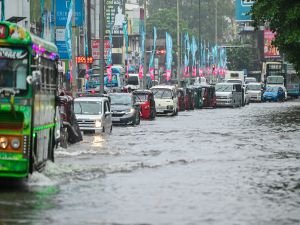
(69, 129)
(209, 96)
(189, 99)
(180, 95)
(146, 101)
(198, 97)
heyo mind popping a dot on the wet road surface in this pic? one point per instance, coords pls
(209, 166)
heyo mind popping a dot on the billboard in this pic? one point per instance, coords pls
(60, 42)
(96, 48)
(242, 9)
(62, 9)
(270, 51)
(115, 16)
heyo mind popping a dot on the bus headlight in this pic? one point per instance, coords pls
(3, 142)
(15, 143)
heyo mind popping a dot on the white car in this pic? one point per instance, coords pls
(93, 114)
(254, 90)
(166, 100)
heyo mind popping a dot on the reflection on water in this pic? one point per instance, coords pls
(222, 166)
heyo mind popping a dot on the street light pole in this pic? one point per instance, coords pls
(145, 48)
(216, 23)
(178, 45)
(101, 38)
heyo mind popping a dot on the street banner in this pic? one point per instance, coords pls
(141, 71)
(142, 49)
(194, 49)
(109, 52)
(186, 55)
(151, 64)
(169, 57)
(68, 32)
(62, 9)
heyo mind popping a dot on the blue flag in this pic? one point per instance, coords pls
(68, 31)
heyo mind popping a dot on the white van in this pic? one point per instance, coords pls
(133, 81)
(255, 91)
(93, 114)
(229, 94)
(166, 100)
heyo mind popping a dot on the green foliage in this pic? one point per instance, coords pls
(197, 17)
(165, 20)
(241, 58)
(283, 18)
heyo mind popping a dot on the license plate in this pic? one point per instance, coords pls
(115, 119)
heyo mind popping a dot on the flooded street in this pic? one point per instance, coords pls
(209, 166)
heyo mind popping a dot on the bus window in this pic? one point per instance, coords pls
(21, 77)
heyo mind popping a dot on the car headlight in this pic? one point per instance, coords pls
(98, 123)
(3, 142)
(15, 143)
(129, 111)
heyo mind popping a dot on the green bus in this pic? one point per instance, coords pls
(28, 89)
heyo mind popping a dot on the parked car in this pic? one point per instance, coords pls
(125, 109)
(147, 104)
(93, 113)
(229, 94)
(274, 94)
(255, 91)
(166, 101)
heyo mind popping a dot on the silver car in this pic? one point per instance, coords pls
(93, 114)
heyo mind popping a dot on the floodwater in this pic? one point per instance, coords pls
(210, 166)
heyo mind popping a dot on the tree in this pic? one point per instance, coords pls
(198, 16)
(165, 20)
(283, 18)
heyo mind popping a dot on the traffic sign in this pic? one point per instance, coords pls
(242, 10)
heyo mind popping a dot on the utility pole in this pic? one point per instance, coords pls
(74, 50)
(199, 18)
(101, 38)
(178, 45)
(88, 15)
(216, 23)
(145, 48)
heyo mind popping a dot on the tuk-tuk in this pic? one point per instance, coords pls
(146, 101)
(198, 97)
(209, 96)
(189, 99)
(180, 95)
(69, 129)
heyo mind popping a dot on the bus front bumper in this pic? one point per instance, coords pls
(12, 167)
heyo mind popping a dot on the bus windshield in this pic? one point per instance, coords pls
(13, 68)
(275, 80)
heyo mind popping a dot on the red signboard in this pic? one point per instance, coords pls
(270, 51)
(96, 48)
